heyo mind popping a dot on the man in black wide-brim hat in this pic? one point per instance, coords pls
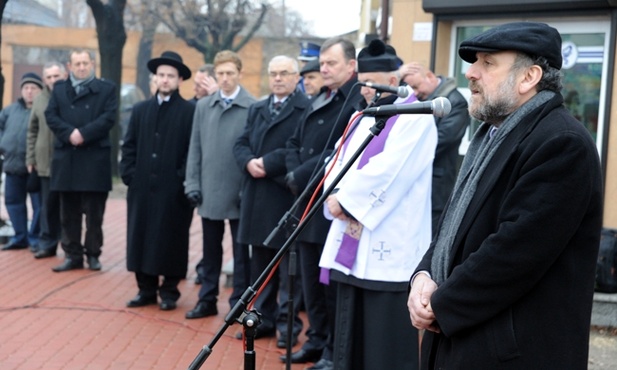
(153, 159)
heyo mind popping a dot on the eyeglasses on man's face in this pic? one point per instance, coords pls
(282, 74)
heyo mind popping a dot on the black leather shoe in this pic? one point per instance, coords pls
(93, 263)
(167, 305)
(202, 309)
(303, 356)
(45, 253)
(140, 301)
(281, 342)
(13, 247)
(69, 264)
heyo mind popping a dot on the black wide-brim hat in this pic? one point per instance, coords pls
(532, 38)
(170, 58)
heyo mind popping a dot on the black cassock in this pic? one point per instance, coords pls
(153, 166)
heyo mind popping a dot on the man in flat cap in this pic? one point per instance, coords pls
(13, 131)
(311, 78)
(153, 165)
(309, 53)
(81, 112)
(386, 198)
(508, 280)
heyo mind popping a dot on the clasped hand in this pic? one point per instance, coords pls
(419, 303)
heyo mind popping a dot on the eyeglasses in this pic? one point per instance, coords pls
(283, 74)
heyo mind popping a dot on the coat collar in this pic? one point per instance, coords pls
(244, 99)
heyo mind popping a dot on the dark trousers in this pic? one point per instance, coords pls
(319, 300)
(72, 206)
(50, 217)
(149, 285)
(15, 195)
(213, 231)
(273, 302)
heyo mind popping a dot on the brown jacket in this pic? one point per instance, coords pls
(40, 139)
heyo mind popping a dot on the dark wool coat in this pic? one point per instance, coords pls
(265, 200)
(520, 289)
(93, 111)
(318, 132)
(153, 166)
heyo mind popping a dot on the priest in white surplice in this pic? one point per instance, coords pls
(381, 226)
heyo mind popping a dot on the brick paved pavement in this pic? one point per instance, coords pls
(78, 320)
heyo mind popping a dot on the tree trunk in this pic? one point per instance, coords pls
(144, 54)
(111, 35)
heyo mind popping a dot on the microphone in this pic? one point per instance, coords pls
(438, 107)
(401, 91)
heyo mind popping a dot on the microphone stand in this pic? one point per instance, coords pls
(284, 223)
(250, 319)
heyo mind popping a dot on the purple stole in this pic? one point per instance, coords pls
(348, 249)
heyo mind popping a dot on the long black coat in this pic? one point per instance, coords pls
(265, 200)
(318, 133)
(93, 112)
(520, 289)
(153, 166)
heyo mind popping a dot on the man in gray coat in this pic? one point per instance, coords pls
(213, 179)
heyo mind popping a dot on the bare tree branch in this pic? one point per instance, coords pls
(213, 25)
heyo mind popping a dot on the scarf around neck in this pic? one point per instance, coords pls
(481, 150)
(79, 84)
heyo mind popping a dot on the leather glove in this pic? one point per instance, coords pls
(194, 198)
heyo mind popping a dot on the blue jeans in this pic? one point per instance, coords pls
(15, 200)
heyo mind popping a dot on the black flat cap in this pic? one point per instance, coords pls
(170, 58)
(312, 66)
(531, 38)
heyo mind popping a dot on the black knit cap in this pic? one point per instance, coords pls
(531, 38)
(170, 58)
(378, 57)
(32, 78)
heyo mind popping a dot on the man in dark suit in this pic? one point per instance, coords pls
(451, 128)
(260, 152)
(314, 138)
(81, 112)
(508, 281)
